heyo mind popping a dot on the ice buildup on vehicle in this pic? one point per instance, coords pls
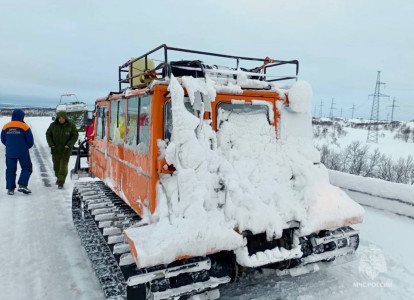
(240, 178)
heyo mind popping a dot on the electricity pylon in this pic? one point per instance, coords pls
(373, 126)
(353, 108)
(320, 109)
(392, 111)
(332, 109)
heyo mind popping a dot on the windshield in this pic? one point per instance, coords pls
(245, 111)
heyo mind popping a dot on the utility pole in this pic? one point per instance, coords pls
(332, 109)
(392, 111)
(353, 109)
(341, 112)
(320, 109)
(373, 126)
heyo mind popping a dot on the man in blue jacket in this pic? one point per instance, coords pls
(18, 139)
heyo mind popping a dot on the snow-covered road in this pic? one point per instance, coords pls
(41, 256)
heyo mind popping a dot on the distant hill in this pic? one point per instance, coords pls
(7, 110)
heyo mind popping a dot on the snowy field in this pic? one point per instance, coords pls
(41, 256)
(386, 143)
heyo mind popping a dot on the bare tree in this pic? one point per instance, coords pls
(357, 155)
(372, 165)
(330, 158)
(385, 168)
(317, 131)
(324, 132)
(402, 169)
(357, 159)
(406, 132)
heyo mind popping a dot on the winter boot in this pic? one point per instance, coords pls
(60, 186)
(24, 189)
(10, 192)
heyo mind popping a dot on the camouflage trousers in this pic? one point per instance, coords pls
(60, 166)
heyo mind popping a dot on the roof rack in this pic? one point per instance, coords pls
(125, 76)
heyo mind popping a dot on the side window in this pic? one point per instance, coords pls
(132, 121)
(114, 119)
(144, 120)
(168, 123)
(117, 127)
(101, 122)
(121, 119)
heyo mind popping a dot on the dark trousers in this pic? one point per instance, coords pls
(60, 166)
(11, 170)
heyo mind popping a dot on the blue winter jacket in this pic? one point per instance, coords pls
(17, 136)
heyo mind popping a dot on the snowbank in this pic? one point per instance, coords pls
(389, 196)
(373, 186)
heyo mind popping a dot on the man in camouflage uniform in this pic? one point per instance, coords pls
(61, 137)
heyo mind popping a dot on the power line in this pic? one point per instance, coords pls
(373, 126)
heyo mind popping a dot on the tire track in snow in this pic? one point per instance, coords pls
(42, 166)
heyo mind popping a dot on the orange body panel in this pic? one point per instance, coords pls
(132, 175)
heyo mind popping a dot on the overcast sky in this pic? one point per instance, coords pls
(52, 47)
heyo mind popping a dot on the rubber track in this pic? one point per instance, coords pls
(100, 255)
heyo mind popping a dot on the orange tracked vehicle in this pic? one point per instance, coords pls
(130, 128)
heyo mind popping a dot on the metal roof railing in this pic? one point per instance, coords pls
(165, 66)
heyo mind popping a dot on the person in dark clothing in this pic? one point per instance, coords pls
(61, 137)
(18, 139)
